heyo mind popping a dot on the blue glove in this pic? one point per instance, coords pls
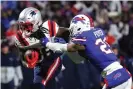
(44, 41)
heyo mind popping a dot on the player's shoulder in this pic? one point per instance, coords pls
(50, 27)
(97, 28)
(93, 32)
(49, 24)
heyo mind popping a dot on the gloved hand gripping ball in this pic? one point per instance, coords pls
(31, 57)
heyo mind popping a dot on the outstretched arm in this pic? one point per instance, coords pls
(69, 47)
(57, 47)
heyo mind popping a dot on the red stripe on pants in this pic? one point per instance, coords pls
(51, 70)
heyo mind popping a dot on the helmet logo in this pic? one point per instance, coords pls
(76, 19)
(33, 13)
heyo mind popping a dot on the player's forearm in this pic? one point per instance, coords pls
(58, 47)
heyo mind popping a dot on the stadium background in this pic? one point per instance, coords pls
(115, 17)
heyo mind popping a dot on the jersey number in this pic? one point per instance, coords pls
(103, 45)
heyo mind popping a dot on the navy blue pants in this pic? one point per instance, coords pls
(45, 73)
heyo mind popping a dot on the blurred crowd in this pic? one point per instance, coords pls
(115, 17)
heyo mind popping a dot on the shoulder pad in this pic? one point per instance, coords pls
(51, 28)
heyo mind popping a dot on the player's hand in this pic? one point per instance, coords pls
(44, 41)
(31, 57)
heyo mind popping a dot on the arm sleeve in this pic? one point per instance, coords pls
(57, 47)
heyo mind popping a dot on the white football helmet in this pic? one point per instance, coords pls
(30, 19)
(80, 23)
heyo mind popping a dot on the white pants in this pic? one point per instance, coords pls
(125, 85)
(113, 67)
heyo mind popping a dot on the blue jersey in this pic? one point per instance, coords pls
(97, 49)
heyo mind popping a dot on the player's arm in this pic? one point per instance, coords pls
(72, 47)
(56, 47)
(69, 47)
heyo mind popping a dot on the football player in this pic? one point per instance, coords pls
(91, 43)
(45, 62)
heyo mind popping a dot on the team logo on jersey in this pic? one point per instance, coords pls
(76, 19)
(33, 13)
(116, 76)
